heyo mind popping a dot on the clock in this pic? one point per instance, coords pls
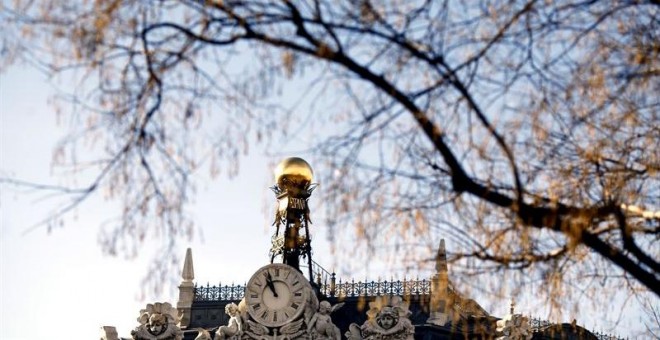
(276, 295)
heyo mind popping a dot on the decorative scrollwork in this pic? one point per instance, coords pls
(277, 246)
(343, 289)
(377, 288)
(219, 293)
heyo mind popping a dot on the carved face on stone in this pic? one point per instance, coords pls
(325, 307)
(231, 309)
(387, 318)
(157, 324)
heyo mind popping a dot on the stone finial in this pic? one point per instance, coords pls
(186, 290)
(441, 258)
(188, 273)
(441, 300)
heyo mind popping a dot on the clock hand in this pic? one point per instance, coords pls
(269, 283)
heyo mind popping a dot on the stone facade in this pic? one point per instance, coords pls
(418, 309)
(280, 303)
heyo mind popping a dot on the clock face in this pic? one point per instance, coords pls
(276, 294)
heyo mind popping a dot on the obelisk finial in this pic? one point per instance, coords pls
(186, 290)
(188, 273)
(441, 258)
(441, 302)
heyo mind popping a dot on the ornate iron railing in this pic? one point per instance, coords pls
(605, 336)
(328, 288)
(219, 292)
(377, 288)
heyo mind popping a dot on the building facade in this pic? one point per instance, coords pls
(294, 298)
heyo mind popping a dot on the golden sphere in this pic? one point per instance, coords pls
(294, 166)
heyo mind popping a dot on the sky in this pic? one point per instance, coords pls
(60, 276)
(57, 279)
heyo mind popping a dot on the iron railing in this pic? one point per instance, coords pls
(219, 292)
(329, 288)
(377, 288)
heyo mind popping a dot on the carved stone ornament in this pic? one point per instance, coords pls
(320, 326)
(388, 319)
(234, 328)
(203, 334)
(514, 327)
(158, 322)
(109, 333)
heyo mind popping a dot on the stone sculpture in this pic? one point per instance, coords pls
(234, 328)
(109, 333)
(203, 334)
(514, 327)
(388, 319)
(320, 326)
(157, 322)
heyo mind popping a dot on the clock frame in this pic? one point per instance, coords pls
(276, 294)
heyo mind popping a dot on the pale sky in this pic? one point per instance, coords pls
(59, 282)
